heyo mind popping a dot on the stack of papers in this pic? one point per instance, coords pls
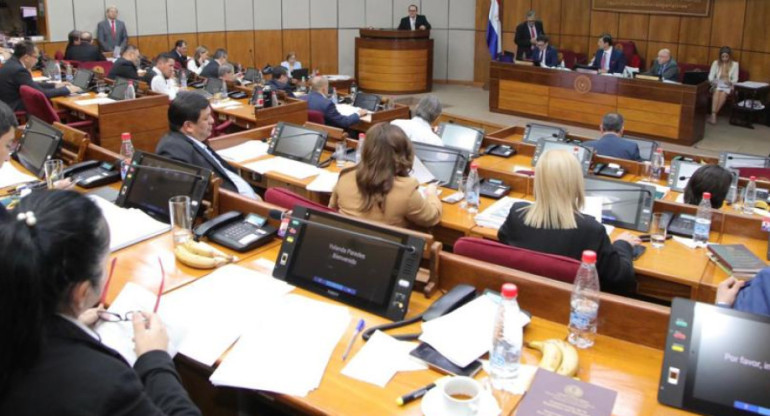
(95, 101)
(128, 226)
(284, 166)
(287, 350)
(347, 109)
(381, 358)
(251, 149)
(338, 77)
(495, 215)
(324, 182)
(10, 176)
(752, 84)
(228, 103)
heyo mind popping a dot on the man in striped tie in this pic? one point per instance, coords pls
(111, 32)
(526, 35)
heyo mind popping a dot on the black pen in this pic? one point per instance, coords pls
(410, 397)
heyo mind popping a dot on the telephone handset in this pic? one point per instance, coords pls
(92, 173)
(236, 231)
(679, 224)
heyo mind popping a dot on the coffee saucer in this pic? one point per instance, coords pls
(433, 404)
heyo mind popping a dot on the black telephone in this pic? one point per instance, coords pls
(237, 232)
(679, 224)
(494, 188)
(612, 170)
(502, 150)
(92, 173)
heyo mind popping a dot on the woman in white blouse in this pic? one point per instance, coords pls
(199, 60)
(723, 75)
(291, 63)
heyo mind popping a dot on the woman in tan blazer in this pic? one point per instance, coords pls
(380, 188)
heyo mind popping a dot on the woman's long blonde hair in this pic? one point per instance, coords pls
(559, 192)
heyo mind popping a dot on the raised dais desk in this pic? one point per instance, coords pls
(394, 61)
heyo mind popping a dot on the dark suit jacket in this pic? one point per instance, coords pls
(104, 35)
(617, 60)
(671, 71)
(419, 21)
(282, 86)
(177, 146)
(522, 39)
(613, 146)
(13, 75)
(78, 375)
(123, 68)
(181, 59)
(551, 56)
(211, 70)
(85, 52)
(332, 117)
(614, 264)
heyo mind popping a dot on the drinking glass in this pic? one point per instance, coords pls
(658, 231)
(340, 151)
(53, 170)
(181, 218)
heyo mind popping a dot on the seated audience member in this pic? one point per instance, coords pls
(73, 39)
(608, 59)
(86, 51)
(380, 188)
(611, 143)
(752, 296)
(180, 53)
(198, 60)
(553, 224)
(317, 100)
(163, 80)
(227, 74)
(127, 66)
(48, 301)
(665, 67)
(291, 63)
(419, 129)
(544, 54)
(280, 81)
(211, 70)
(16, 72)
(723, 76)
(708, 178)
(191, 120)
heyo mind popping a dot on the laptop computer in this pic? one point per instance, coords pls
(695, 77)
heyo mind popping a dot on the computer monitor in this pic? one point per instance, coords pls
(457, 136)
(83, 78)
(300, 73)
(535, 132)
(367, 101)
(647, 148)
(743, 160)
(716, 360)
(695, 77)
(624, 204)
(370, 267)
(444, 163)
(39, 143)
(252, 74)
(50, 69)
(151, 180)
(214, 85)
(118, 91)
(680, 174)
(584, 154)
(297, 143)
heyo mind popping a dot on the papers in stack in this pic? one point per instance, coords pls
(495, 215)
(251, 149)
(128, 226)
(284, 166)
(381, 358)
(10, 176)
(95, 101)
(421, 172)
(228, 103)
(347, 109)
(752, 84)
(338, 77)
(286, 351)
(324, 182)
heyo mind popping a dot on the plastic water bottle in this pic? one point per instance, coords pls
(57, 74)
(658, 164)
(303, 85)
(267, 97)
(473, 189)
(183, 78)
(260, 100)
(334, 98)
(126, 153)
(353, 91)
(130, 91)
(68, 71)
(274, 98)
(750, 199)
(700, 233)
(116, 52)
(505, 354)
(584, 303)
(360, 147)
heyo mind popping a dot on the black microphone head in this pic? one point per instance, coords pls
(275, 214)
(683, 178)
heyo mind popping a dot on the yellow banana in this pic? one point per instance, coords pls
(551, 354)
(195, 260)
(203, 249)
(569, 357)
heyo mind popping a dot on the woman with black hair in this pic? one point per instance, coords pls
(54, 247)
(713, 179)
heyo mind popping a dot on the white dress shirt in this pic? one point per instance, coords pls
(418, 130)
(192, 66)
(413, 22)
(607, 57)
(243, 187)
(162, 85)
(82, 326)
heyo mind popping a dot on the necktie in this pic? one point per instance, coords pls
(604, 60)
(662, 68)
(112, 23)
(532, 32)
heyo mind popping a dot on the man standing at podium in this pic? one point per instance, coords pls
(414, 21)
(526, 36)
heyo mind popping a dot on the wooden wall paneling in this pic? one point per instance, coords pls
(575, 43)
(50, 48)
(481, 68)
(548, 12)
(323, 51)
(576, 17)
(212, 40)
(695, 30)
(153, 45)
(604, 22)
(508, 43)
(297, 41)
(664, 28)
(756, 34)
(694, 54)
(240, 47)
(758, 65)
(515, 12)
(633, 26)
(482, 14)
(268, 47)
(726, 24)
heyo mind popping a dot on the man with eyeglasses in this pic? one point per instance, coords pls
(414, 21)
(18, 71)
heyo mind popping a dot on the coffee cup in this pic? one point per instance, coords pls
(461, 396)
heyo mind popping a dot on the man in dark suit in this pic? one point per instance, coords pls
(665, 67)
(190, 120)
(127, 65)
(111, 32)
(73, 39)
(280, 81)
(86, 51)
(526, 36)
(180, 53)
(211, 70)
(414, 21)
(16, 72)
(607, 59)
(611, 144)
(317, 100)
(545, 54)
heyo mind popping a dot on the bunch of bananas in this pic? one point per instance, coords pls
(558, 355)
(201, 255)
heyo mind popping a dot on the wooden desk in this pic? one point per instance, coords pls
(398, 111)
(670, 112)
(291, 110)
(394, 61)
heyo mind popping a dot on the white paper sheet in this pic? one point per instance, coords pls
(324, 182)
(687, 242)
(251, 149)
(94, 101)
(286, 351)
(128, 226)
(284, 166)
(10, 176)
(496, 214)
(40, 79)
(421, 172)
(347, 109)
(593, 207)
(227, 103)
(381, 358)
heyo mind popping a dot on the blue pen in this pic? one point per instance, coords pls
(359, 328)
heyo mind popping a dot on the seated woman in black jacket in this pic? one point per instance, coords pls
(553, 224)
(713, 179)
(54, 248)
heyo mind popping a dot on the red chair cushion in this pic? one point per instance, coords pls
(543, 264)
(629, 51)
(314, 116)
(287, 199)
(760, 173)
(37, 104)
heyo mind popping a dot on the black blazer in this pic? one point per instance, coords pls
(177, 146)
(85, 52)
(211, 70)
(13, 75)
(522, 39)
(123, 68)
(78, 375)
(614, 260)
(419, 21)
(181, 59)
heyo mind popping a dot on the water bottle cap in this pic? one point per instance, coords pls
(125, 136)
(707, 195)
(753, 178)
(474, 165)
(361, 136)
(659, 150)
(589, 257)
(509, 291)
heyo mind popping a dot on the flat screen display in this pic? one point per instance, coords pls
(39, 143)
(739, 160)
(118, 91)
(583, 154)
(683, 174)
(151, 189)
(213, 85)
(82, 78)
(625, 205)
(461, 137)
(535, 132)
(367, 101)
(298, 143)
(443, 163)
(646, 147)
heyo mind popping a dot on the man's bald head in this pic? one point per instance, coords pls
(319, 84)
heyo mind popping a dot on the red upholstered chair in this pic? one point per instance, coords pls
(37, 105)
(542, 264)
(220, 127)
(629, 50)
(317, 117)
(287, 199)
(760, 173)
(58, 55)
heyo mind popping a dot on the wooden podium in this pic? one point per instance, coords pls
(394, 61)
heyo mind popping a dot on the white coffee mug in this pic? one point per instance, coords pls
(461, 396)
